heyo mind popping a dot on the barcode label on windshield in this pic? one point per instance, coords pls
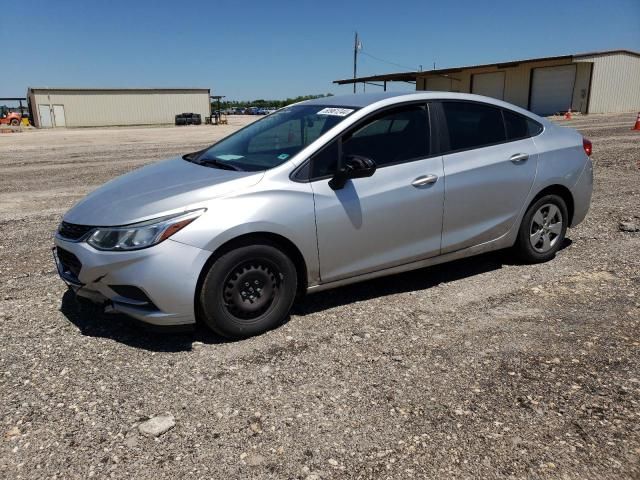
(337, 112)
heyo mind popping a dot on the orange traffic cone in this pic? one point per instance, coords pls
(637, 125)
(567, 116)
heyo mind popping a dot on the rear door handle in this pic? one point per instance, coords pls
(519, 157)
(423, 180)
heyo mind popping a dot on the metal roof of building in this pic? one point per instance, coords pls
(116, 89)
(411, 76)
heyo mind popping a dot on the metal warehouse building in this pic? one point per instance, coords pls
(596, 82)
(94, 107)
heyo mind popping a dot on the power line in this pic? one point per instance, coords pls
(386, 61)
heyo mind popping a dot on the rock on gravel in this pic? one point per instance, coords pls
(254, 460)
(156, 426)
(629, 227)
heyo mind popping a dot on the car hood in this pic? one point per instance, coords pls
(156, 190)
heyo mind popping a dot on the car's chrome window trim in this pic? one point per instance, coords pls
(439, 135)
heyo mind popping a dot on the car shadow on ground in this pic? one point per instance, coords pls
(414, 280)
(409, 281)
(91, 320)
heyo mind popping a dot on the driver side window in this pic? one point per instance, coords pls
(393, 136)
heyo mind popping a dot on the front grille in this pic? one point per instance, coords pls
(73, 231)
(69, 262)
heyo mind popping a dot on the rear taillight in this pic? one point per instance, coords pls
(588, 147)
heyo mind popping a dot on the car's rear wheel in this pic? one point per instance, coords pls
(15, 122)
(248, 291)
(542, 229)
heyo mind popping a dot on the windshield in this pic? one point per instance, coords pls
(271, 141)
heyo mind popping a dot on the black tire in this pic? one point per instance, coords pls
(524, 246)
(230, 302)
(15, 122)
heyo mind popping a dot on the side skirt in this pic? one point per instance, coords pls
(505, 241)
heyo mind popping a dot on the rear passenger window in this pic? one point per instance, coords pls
(519, 126)
(534, 127)
(473, 125)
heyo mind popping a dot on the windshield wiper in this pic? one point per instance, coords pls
(217, 163)
(191, 157)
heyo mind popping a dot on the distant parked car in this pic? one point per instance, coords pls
(321, 194)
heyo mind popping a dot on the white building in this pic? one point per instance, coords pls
(596, 82)
(94, 107)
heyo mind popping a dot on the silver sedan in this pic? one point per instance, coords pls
(320, 194)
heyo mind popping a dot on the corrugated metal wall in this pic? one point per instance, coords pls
(615, 83)
(93, 108)
(517, 80)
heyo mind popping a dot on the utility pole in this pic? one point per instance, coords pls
(356, 47)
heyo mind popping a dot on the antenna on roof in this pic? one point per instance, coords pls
(357, 45)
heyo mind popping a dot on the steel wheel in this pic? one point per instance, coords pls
(249, 290)
(546, 228)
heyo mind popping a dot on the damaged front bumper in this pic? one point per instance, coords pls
(156, 285)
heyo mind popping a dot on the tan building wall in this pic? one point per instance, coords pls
(517, 82)
(615, 83)
(92, 108)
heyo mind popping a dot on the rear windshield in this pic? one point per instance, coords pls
(274, 139)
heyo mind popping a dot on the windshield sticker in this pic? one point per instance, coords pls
(337, 112)
(230, 157)
(283, 156)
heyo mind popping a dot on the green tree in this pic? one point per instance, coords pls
(262, 103)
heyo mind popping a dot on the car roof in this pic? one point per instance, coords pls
(354, 100)
(362, 100)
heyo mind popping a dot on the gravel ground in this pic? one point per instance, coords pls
(480, 368)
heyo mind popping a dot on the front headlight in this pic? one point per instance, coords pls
(140, 235)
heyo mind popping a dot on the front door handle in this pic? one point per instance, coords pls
(423, 180)
(519, 157)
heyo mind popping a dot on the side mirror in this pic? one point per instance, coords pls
(355, 166)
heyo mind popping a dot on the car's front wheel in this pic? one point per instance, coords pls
(542, 229)
(248, 291)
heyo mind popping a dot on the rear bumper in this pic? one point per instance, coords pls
(167, 274)
(582, 191)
